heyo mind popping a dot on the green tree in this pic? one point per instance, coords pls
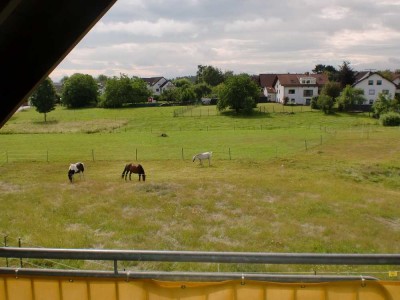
(44, 97)
(331, 89)
(346, 75)
(80, 90)
(118, 91)
(170, 95)
(201, 90)
(210, 75)
(325, 103)
(140, 91)
(385, 104)
(239, 92)
(349, 97)
(183, 83)
(124, 90)
(326, 100)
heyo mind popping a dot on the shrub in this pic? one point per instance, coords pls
(390, 119)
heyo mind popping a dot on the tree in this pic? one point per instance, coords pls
(349, 97)
(239, 92)
(117, 92)
(384, 104)
(124, 90)
(210, 75)
(346, 75)
(331, 89)
(80, 90)
(140, 91)
(170, 95)
(325, 103)
(44, 97)
(201, 90)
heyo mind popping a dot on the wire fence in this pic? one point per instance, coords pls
(158, 153)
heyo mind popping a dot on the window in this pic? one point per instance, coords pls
(385, 92)
(371, 101)
(308, 93)
(370, 82)
(371, 92)
(292, 91)
(379, 82)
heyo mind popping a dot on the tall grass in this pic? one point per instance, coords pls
(266, 190)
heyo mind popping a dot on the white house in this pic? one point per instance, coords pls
(158, 84)
(373, 84)
(298, 88)
(396, 81)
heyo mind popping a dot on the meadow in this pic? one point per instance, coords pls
(283, 180)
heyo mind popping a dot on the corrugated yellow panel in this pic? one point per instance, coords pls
(74, 289)
(45, 289)
(53, 288)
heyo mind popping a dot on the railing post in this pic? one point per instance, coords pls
(5, 245)
(115, 266)
(19, 245)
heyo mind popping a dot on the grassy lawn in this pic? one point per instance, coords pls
(279, 182)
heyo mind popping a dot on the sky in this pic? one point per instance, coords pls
(170, 38)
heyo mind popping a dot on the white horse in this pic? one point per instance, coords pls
(204, 155)
(75, 168)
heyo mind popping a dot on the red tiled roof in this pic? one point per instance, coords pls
(267, 80)
(294, 79)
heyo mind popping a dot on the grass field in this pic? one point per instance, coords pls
(280, 181)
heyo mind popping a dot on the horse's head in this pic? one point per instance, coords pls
(70, 173)
(144, 177)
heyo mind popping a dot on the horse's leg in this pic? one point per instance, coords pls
(130, 173)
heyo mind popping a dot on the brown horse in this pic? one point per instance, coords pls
(137, 169)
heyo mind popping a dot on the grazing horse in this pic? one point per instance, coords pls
(137, 169)
(204, 155)
(75, 168)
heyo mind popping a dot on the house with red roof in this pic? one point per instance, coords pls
(298, 88)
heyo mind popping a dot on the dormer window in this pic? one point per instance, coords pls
(308, 80)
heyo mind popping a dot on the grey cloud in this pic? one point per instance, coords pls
(172, 37)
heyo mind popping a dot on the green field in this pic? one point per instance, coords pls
(291, 180)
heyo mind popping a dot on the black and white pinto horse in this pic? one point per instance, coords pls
(132, 168)
(75, 168)
(204, 155)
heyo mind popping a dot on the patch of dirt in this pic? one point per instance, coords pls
(9, 188)
(394, 224)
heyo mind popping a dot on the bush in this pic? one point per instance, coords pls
(390, 119)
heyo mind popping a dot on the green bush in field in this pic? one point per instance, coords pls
(390, 119)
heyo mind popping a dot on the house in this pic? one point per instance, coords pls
(158, 84)
(373, 84)
(267, 83)
(298, 88)
(396, 81)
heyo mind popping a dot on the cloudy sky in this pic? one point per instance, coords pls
(171, 37)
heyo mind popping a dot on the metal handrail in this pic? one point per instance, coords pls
(184, 276)
(202, 256)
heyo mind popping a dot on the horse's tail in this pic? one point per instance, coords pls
(125, 170)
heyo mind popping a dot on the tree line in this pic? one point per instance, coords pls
(228, 91)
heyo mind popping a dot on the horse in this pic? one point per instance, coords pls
(132, 168)
(204, 155)
(75, 168)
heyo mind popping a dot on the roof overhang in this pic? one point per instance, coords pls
(35, 36)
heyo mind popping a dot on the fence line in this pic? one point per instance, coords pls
(154, 153)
